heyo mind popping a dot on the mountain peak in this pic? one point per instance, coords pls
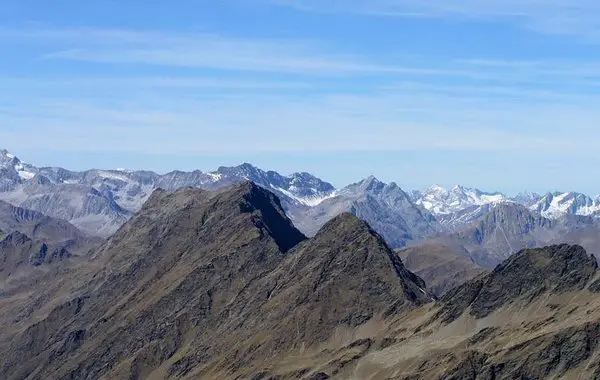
(437, 188)
(244, 203)
(557, 204)
(352, 275)
(441, 201)
(522, 278)
(7, 154)
(7, 159)
(370, 183)
(244, 170)
(344, 222)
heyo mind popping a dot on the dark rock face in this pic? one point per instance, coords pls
(199, 276)
(522, 277)
(552, 353)
(18, 249)
(548, 356)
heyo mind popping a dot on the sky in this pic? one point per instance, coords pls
(499, 95)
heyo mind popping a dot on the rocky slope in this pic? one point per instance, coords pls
(17, 250)
(536, 316)
(503, 231)
(386, 207)
(209, 285)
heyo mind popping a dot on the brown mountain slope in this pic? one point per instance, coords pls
(442, 263)
(206, 285)
(536, 316)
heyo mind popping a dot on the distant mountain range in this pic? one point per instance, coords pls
(490, 225)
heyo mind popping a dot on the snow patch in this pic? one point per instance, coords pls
(215, 176)
(311, 201)
(566, 203)
(110, 175)
(441, 201)
(25, 174)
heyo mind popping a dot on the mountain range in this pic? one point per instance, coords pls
(220, 284)
(98, 202)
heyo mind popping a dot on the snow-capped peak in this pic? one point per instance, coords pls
(555, 205)
(6, 157)
(441, 201)
(303, 188)
(10, 162)
(437, 190)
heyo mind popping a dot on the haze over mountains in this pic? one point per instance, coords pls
(490, 226)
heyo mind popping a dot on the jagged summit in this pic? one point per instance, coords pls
(5, 153)
(557, 204)
(369, 184)
(521, 279)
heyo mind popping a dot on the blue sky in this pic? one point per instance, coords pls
(500, 95)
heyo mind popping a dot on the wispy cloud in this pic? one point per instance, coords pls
(301, 100)
(208, 51)
(576, 17)
(427, 121)
(306, 58)
(176, 82)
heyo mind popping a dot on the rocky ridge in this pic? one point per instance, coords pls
(194, 267)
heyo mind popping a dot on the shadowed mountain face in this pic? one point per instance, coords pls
(18, 250)
(206, 285)
(521, 278)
